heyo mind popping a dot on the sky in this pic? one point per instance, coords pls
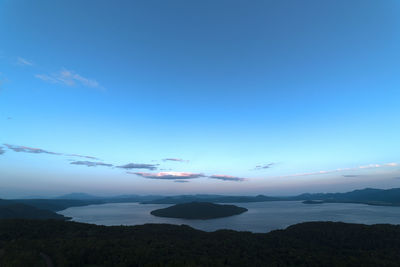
(171, 97)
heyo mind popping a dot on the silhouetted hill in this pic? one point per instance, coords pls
(78, 196)
(12, 210)
(198, 210)
(123, 198)
(57, 204)
(24, 242)
(61, 204)
(382, 197)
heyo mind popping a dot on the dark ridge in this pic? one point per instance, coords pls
(12, 210)
(57, 204)
(370, 196)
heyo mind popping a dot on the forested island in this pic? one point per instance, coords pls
(199, 210)
(64, 243)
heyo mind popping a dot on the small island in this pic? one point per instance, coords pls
(199, 210)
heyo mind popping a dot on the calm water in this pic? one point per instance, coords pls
(260, 217)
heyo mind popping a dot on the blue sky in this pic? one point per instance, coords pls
(308, 91)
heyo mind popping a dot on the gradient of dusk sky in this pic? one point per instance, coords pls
(310, 90)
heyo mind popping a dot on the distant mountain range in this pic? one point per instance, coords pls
(79, 196)
(210, 198)
(370, 196)
(388, 197)
(123, 198)
(40, 208)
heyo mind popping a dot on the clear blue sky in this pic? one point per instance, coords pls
(308, 91)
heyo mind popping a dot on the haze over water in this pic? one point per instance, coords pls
(260, 217)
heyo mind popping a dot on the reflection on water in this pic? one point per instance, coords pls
(260, 217)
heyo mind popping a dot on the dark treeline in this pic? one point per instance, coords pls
(30, 242)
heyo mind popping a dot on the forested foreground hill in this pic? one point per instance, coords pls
(11, 209)
(31, 242)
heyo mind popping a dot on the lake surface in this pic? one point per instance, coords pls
(261, 217)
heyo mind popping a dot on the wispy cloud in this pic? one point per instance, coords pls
(264, 166)
(80, 156)
(227, 178)
(69, 78)
(26, 149)
(130, 166)
(350, 176)
(369, 166)
(181, 181)
(3, 80)
(24, 62)
(46, 78)
(175, 159)
(2, 151)
(169, 175)
(91, 163)
(182, 176)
